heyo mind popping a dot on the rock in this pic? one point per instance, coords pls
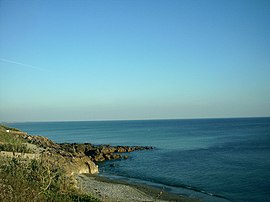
(107, 150)
(130, 149)
(80, 158)
(116, 156)
(100, 157)
(91, 152)
(108, 156)
(121, 149)
(93, 168)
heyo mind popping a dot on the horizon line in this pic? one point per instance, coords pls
(146, 119)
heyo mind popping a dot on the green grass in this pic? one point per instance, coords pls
(21, 148)
(9, 128)
(12, 141)
(33, 180)
(11, 138)
(37, 180)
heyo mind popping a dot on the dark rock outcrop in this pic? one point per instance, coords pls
(101, 152)
(80, 158)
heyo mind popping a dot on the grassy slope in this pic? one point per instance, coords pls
(6, 137)
(11, 141)
(33, 180)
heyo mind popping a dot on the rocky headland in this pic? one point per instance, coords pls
(78, 158)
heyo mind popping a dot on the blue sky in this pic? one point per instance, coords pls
(134, 59)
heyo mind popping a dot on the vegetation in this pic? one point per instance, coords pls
(9, 128)
(12, 141)
(33, 180)
(11, 138)
(36, 180)
(22, 148)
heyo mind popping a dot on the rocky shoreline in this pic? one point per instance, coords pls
(80, 162)
(77, 158)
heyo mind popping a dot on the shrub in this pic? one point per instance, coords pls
(9, 128)
(36, 180)
(22, 148)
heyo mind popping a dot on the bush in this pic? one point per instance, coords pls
(22, 148)
(11, 138)
(9, 128)
(36, 180)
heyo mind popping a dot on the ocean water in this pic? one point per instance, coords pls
(211, 159)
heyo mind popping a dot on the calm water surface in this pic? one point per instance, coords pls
(228, 158)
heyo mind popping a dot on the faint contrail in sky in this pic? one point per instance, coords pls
(21, 64)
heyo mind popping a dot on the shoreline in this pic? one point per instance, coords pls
(169, 193)
(111, 190)
(82, 159)
(79, 161)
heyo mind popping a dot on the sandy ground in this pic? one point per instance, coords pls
(113, 191)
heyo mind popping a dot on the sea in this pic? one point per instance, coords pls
(209, 159)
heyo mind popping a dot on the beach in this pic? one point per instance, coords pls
(135, 100)
(209, 159)
(108, 190)
(81, 169)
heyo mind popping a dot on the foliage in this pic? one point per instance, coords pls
(9, 137)
(9, 128)
(33, 180)
(36, 180)
(12, 142)
(22, 148)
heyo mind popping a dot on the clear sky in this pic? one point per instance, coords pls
(134, 59)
